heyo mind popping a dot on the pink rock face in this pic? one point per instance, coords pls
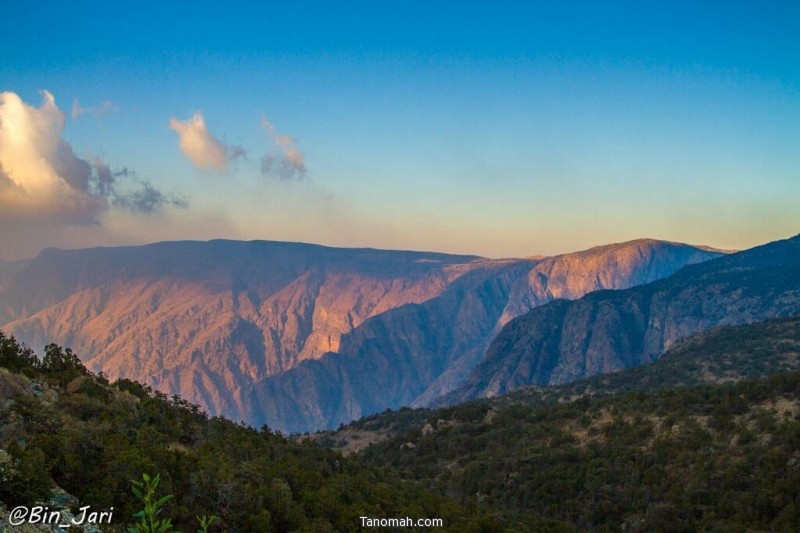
(607, 332)
(210, 320)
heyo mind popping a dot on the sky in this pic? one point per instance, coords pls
(503, 129)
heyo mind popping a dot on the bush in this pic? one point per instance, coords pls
(25, 479)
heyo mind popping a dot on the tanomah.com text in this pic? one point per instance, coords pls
(401, 522)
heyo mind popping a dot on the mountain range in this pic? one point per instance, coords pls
(299, 336)
(608, 331)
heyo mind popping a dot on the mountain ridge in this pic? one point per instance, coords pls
(210, 320)
(721, 356)
(606, 331)
(427, 332)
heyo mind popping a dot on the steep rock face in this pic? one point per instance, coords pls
(204, 319)
(327, 334)
(389, 360)
(612, 330)
(613, 266)
(413, 354)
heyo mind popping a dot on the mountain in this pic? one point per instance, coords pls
(8, 269)
(608, 331)
(412, 354)
(203, 318)
(723, 355)
(299, 336)
(720, 457)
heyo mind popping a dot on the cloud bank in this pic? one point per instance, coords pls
(284, 160)
(45, 188)
(41, 176)
(201, 148)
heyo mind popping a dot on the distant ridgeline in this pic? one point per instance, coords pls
(298, 336)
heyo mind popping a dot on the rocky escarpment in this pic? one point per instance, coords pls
(411, 355)
(613, 330)
(213, 321)
(204, 318)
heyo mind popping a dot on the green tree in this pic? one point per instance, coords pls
(62, 365)
(16, 357)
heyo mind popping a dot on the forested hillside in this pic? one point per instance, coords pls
(689, 459)
(61, 425)
(671, 446)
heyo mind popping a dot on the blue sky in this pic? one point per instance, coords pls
(501, 129)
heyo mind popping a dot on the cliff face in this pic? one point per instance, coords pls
(295, 335)
(414, 354)
(613, 330)
(202, 319)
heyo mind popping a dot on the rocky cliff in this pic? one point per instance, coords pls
(202, 319)
(608, 331)
(251, 330)
(413, 354)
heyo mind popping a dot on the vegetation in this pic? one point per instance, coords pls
(707, 438)
(713, 457)
(61, 424)
(675, 458)
(148, 520)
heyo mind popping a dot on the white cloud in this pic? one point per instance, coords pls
(42, 178)
(202, 148)
(285, 160)
(39, 170)
(51, 197)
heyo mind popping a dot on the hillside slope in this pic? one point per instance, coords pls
(723, 355)
(669, 446)
(64, 429)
